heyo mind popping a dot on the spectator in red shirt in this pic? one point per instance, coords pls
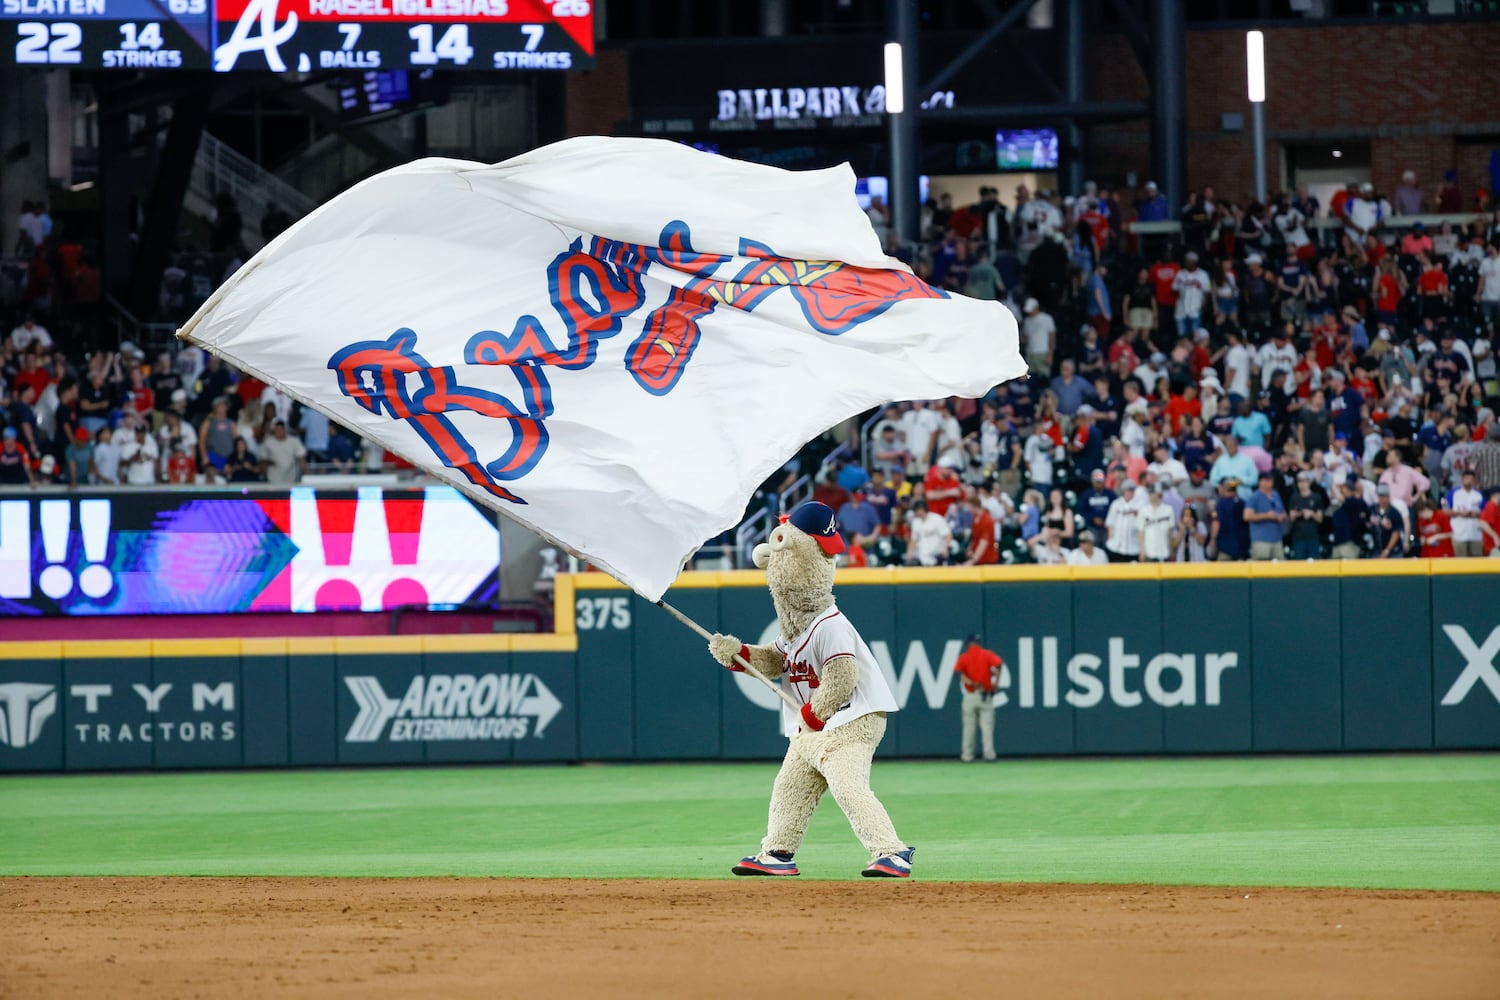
(1388, 292)
(1183, 406)
(1489, 518)
(249, 388)
(1450, 200)
(828, 492)
(1325, 340)
(943, 488)
(979, 673)
(1336, 203)
(1308, 367)
(1200, 358)
(1122, 352)
(1163, 275)
(181, 469)
(1417, 241)
(982, 548)
(1432, 288)
(1435, 531)
(1098, 225)
(32, 373)
(139, 395)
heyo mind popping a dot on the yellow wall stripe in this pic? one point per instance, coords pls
(195, 647)
(565, 638)
(1114, 571)
(31, 650)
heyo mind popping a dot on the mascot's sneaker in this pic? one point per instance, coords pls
(767, 863)
(896, 865)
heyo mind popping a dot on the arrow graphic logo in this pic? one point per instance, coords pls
(452, 707)
(375, 709)
(542, 704)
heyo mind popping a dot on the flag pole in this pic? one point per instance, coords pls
(737, 657)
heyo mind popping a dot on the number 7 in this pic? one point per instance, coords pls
(351, 35)
(533, 33)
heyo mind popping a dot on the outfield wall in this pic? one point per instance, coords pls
(1218, 658)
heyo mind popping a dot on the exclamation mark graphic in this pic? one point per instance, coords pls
(56, 582)
(93, 523)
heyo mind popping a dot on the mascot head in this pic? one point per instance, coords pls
(798, 560)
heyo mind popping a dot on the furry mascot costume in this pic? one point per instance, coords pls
(823, 662)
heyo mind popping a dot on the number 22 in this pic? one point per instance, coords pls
(33, 47)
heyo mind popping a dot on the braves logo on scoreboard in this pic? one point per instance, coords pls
(499, 34)
(593, 292)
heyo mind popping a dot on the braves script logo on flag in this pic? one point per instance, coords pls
(593, 293)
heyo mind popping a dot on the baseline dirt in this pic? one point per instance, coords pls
(179, 937)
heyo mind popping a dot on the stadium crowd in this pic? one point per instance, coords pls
(1269, 381)
(1262, 383)
(78, 411)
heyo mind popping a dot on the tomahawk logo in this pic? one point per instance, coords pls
(453, 707)
(24, 709)
(259, 14)
(1479, 663)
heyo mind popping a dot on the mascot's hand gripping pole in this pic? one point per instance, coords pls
(796, 708)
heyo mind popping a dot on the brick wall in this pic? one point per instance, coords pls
(600, 97)
(1409, 90)
(1414, 92)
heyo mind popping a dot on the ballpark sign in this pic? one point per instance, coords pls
(452, 707)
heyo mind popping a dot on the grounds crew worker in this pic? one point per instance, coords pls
(979, 671)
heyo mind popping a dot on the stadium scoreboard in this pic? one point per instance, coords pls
(298, 35)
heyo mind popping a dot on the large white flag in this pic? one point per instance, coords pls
(613, 341)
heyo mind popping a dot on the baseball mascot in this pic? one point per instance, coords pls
(823, 662)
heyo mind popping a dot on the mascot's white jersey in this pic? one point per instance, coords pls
(831, 635)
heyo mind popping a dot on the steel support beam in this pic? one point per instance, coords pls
(1075, 85)
(116, 189)
(1135, 33)
(164, 204)
(1168, 75)
(1258, 136)
(901, 27)
(1041, 111)
(979, 44)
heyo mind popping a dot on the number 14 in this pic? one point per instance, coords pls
(148, 37)
(454, 45)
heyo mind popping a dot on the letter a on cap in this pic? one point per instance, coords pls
(818, 520)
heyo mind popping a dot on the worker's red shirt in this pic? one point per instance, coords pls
(975, 665)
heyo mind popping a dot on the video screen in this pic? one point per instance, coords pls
(1026, 149)
(880, 187)
(223, 552)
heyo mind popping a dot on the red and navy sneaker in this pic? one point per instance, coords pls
(897, 865)
(767, 863)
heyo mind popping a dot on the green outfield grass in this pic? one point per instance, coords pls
(1409, 822)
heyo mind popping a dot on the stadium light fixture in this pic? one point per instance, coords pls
(895, 86)
(1255, 77)
(1255, 62)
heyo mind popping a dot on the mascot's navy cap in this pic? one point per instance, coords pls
(818, 520)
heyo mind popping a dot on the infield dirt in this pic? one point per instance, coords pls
(315, 937)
